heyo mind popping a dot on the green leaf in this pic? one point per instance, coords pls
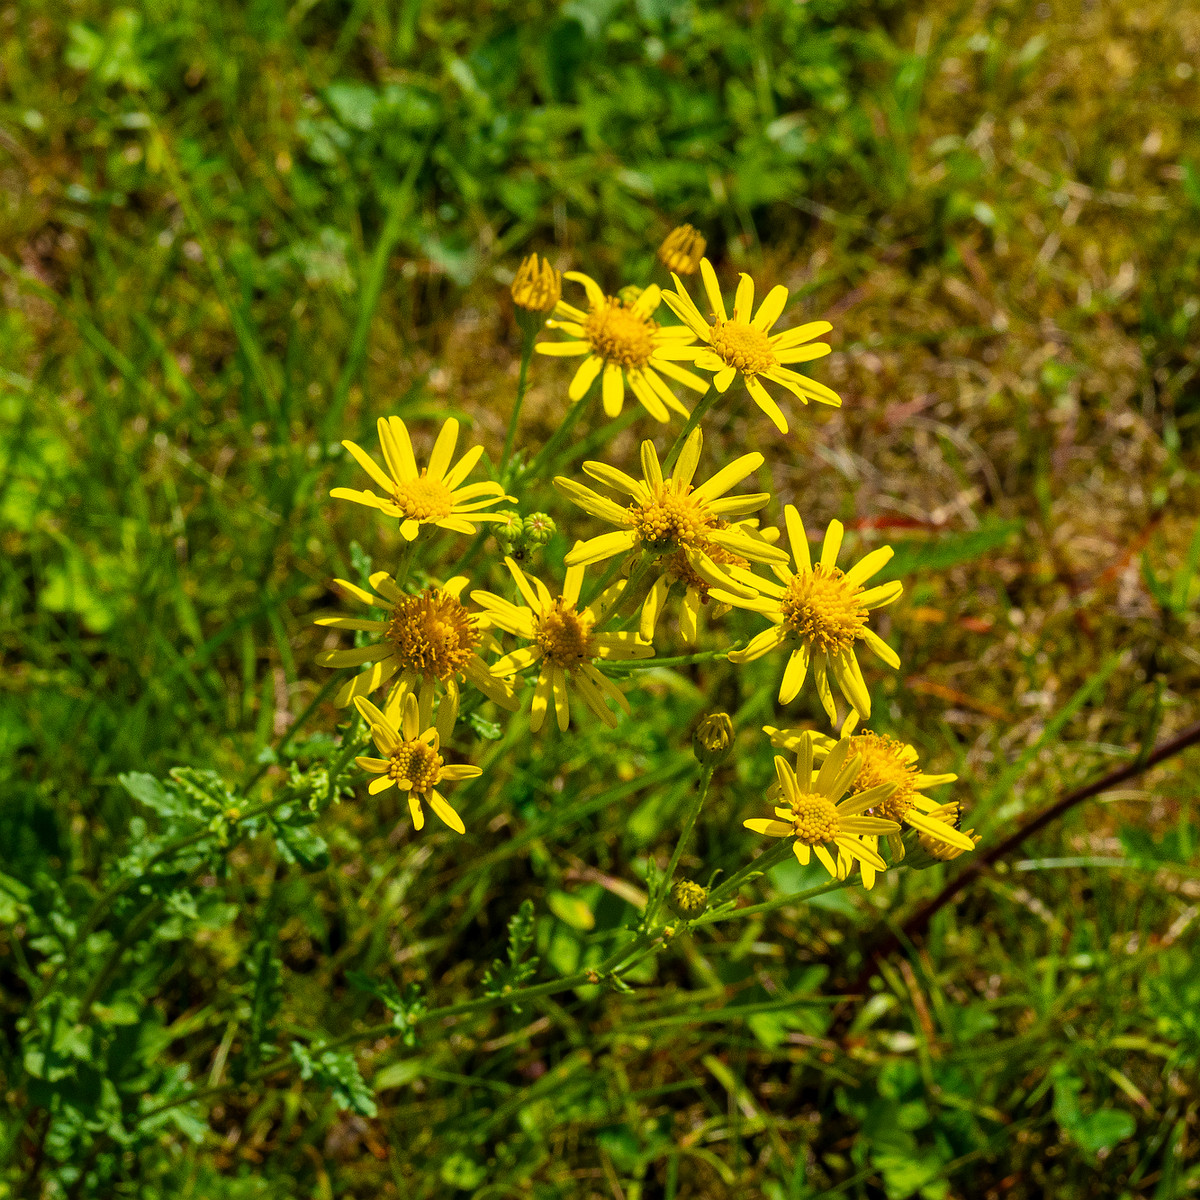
(152, 794)
(1103, 1129)
(571, 909)
(337, 1071)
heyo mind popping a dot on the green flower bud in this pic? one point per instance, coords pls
(538, 529)
(712, 743)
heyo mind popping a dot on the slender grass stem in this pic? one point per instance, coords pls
(689, 823)
(698, 413)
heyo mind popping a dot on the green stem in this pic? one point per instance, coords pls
(689, 824)
(522, 386)
(753, 910)
(295, 727)
(556, 439)
(763, 863)
(706, 402)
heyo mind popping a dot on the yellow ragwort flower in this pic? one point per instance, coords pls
(564, 640)
(682, 250)
(623, 341)
(537, 286)
(426, 639)
(746, 347)
(816, 815)
(433, 495)
(412, 762)
(697, 592)
(935, 845)
(884, 760)
(670, 515)
(819, 613)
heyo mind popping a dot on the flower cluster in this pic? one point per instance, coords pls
(534, 647)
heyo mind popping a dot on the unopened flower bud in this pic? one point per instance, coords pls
(537, 287)
(712, 743)
(682, 250)
(629, 294)
(688, 899)
(537, 529)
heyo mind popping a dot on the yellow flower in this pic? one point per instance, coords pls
(935, 844)
(697, 592)
(537, 286)
(884, 760)
(746, 347)
(816, 815)
(682, 250)
(426, 639)
(670, 515)
(411, 760)
(564, 640)
(625, 343)
(819, 613)
(433, 495)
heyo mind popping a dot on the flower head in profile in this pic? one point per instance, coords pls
(625, 345)
(537, 286)
(745, 346)
(698, 593)
(812, 810)
(433, 495)
(564, 639)
(818, 613)
(935, 845)
(682, 250)
(425, 640)
(411, 760)
(669, 515)
(884, 760)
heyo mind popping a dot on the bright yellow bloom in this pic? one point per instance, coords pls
(819, 613)
(537, 286)
(412, 762)
(670, 515)
(816, 815)
(746, 347)
(935, 845)
(625, 343)
(564, 640)
(682, 250)
(432, 495)
(884, 760)
(697, 592)
(426, 639)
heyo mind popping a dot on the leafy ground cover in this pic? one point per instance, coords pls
(234, 234)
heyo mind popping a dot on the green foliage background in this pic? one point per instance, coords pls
(234, 233)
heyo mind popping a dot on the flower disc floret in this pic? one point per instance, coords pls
(620, 333)
(434, 634)
(423, 499)
(819, 613)
(886, 760)
(623, 346)
(564, 636)
(670, 521)
(814, 819)
(743, 347)
(818, 815)
(822, 610)
(418, 762)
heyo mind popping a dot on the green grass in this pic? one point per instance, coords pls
(236, 233)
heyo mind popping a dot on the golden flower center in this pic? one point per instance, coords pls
(564, 636)
(742, 346)
(433, 633)
(418, 762)
(670, 521)
(814, 819)
(423, 499)
(681, 571)
(619, 335)
(822, 609)
(883, 761)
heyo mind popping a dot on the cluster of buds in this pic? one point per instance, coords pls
(537, 286)
(520, 538)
